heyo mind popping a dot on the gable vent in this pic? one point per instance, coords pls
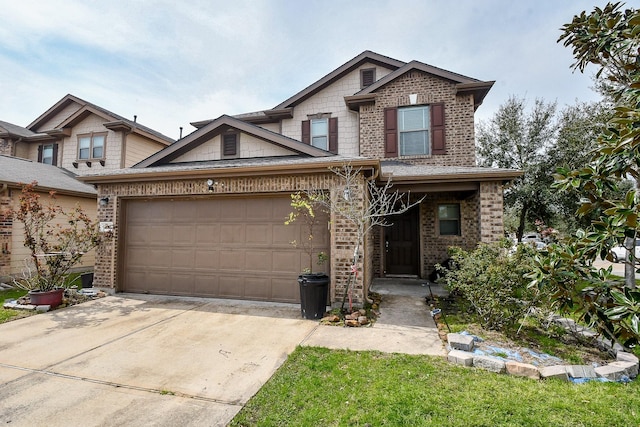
(367, 77)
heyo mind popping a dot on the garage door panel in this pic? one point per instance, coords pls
(258, 260)
(207, 234)
(207, 259)
(258, 234)
(231, 286)
(230, 248)
(183, 235)
(232, 233)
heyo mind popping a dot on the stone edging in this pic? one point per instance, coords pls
(623, 369)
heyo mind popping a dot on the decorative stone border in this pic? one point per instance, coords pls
(623, 369)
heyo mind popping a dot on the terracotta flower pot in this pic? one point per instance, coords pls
(52, 298)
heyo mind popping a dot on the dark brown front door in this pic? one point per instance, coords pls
(402, 244)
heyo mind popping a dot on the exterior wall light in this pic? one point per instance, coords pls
(104, 202)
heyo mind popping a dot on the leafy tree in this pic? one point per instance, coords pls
(610, 39)
(519, 139)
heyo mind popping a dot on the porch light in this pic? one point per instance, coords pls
(104, 202)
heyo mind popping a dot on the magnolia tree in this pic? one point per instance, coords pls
(609, 39)
(56, 239)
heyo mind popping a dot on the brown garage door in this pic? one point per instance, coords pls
(219, 247)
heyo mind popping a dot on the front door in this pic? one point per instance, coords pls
(402, 244)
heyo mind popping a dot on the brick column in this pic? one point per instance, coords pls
(491, 212)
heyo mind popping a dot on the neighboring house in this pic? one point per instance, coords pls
(82, 138)
(69, 192)
(72, 138)
(205, 216)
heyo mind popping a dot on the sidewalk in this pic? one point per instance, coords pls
(404, 326)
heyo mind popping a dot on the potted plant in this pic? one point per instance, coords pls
(56, 240)
(308, 208)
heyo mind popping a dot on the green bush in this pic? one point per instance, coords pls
(491, 280)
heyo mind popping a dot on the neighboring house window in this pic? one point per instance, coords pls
(449, 219)
(48, 154)
(414, 131)
(367, 77)
(321, 132)
(91, 146)
(230, 145)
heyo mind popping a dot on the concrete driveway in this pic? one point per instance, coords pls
(142, 360)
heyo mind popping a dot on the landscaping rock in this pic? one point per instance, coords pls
(352, 323)
(522, 370)
(460, 357)
(581, 371)
(489, 363)
(330, 319)
(43, 308)
(557, 371)
(623, 356)
(460, 342)
(363, 320)
(617, 371)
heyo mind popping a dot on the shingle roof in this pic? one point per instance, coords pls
(15, 171)
(14, 130)
(404, 171)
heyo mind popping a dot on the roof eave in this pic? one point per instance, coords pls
(263, 170)
(503, 176)
(479, 90)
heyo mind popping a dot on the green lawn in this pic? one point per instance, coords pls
(322, 387)
(5, 314)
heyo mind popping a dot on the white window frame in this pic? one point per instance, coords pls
(424, 130)
(317, 137)
(92, 137)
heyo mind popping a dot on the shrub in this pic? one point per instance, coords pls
(490, 279)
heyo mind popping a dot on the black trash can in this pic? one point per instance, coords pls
(313, 295)
(86, 280)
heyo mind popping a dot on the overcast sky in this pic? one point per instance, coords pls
(174, 62)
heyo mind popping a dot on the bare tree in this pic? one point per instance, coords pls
(362, 210)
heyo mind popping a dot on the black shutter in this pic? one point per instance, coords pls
(54, 160)
(39, 153)
(230, 145)
(437, 129)
(333, 135)
(391, 132)
(306, 132)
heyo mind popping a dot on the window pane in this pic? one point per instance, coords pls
(413, 119)
(98, 147)
(83, 147)
(449, 228)
(413, 143)
(319, 127)
(319, 142)
(47, 154)
(449, 211)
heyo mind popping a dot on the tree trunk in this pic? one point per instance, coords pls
(629, 263)
(523, 216)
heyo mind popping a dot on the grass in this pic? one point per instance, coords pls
(7, 315)
(318, 386)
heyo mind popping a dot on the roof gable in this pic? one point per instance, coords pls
(366, 56)
(10, 130)
(220, 125)
(86, 108)
(463, 83)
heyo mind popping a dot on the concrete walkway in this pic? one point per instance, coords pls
(404, 326)
(141, 360)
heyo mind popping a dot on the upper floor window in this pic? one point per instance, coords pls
(320, 133)
(48, 153)
(230, 145)
(91, 146)
(413, 126)
(449, 219)
(414, 131)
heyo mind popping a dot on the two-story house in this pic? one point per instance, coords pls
(205, 216)
(72, 138)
